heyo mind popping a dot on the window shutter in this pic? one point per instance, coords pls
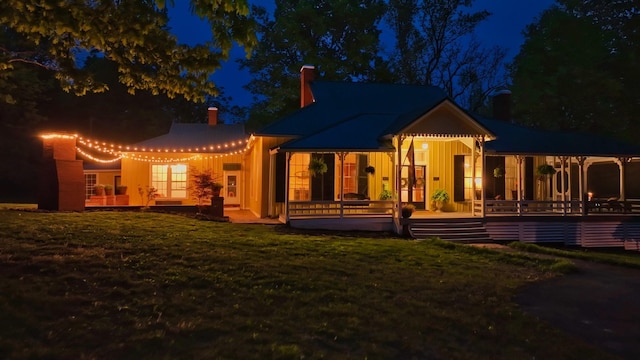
(458, 178)
(281, 168)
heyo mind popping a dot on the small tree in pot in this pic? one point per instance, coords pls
(440, 197)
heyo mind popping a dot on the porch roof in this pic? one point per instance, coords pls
(347, 135)
(513, 139)
(197, 135)
(360, 116)
(338, 102)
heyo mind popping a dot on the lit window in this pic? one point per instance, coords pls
(170, 180)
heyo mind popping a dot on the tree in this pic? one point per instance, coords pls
(339, 37)
(435, 45)
(133, 34)
(577, 69)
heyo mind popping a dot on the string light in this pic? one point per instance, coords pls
(93, 158)
(113, 149)
(128, 152)
(50, 136)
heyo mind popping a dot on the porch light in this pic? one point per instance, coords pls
(425, 146)
(590, 194)
(478, 182)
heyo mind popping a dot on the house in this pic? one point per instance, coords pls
(355, 153)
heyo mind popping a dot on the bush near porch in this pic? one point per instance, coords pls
(149, 285)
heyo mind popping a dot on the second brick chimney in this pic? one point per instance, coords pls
(213, 116)
(307, 75)
(502, 105)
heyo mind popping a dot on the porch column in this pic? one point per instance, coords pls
(563, 183)
(622, 163)
(272, 184)
(581, 174)
(286, 187)
(484, 166)
(341, 156)
(399, 176)
(473, 176)
(519, 189)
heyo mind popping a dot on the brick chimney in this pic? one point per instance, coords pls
(307, 75)
(502, 105)
(213, 116)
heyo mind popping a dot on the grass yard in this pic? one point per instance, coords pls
(132, 285)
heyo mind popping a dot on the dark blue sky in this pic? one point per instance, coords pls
(504, 28)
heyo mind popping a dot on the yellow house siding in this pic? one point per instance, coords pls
(137, 173)
(439, 162)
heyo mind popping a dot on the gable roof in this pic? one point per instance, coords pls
(515, 139)
(356, 116)
(197, 135)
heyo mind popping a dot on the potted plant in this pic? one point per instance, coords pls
(108, 190)
(544, 170)
(370, 170)
(440, 197)
(121, 190)
(99, 189)
(317, 166)
(407, 210)
(386, 195)
(215, 188)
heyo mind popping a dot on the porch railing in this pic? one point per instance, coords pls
(572, 207)
(337, 209)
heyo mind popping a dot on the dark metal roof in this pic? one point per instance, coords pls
(355, 116)
(336, 102)
(349, 135)
(520, 140)
(197, 135)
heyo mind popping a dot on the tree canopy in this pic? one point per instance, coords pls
(436, 45)
(577, 69)
(134, 34)
(399, 41)
(339, 37)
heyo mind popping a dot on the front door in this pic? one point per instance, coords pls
(231, 188)
(415, 194)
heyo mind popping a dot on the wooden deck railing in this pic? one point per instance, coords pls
(573, 207)
(337, 209)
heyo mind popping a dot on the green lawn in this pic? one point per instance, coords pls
(127, 285)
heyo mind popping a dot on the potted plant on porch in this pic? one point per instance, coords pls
(440, 197)
(407, 210)
(216, 187)
(99, 189)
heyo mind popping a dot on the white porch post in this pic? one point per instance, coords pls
(563, 169)
(581, 160)
(519, 187)
(622, 163)
(286, 188)
(399, 176)
(272, 184)
(341, 156)
(484, 166)
(473, 176)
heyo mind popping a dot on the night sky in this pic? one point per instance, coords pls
(504, 28)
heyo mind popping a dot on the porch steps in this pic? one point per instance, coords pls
(456, 230)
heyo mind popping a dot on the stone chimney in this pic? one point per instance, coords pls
(307, 75)
(502, 105)
(213, 116)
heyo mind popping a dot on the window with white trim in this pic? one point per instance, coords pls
(170, 180)
(90, 181)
